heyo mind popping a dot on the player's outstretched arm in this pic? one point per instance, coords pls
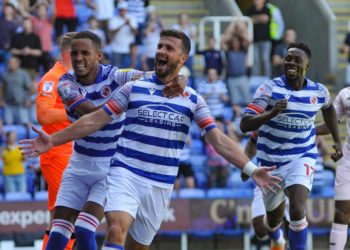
(330, 118)
(84, 126)
(233, 153)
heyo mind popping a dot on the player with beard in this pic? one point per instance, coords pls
(284, 110)
(82, 190)
(144, 168)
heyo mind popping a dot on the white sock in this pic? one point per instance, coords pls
(338, 237)
(87, 221)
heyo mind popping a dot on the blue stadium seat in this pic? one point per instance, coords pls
(198, 162)
(194, 131)
(201, 179)
(18, 196)
(228, 114)
(41, 195)
(235, 181)
(197, 146)
(220, 193)
(243, 193)
(1, 198)
(328, 178)
(327, 192)
(191, 193)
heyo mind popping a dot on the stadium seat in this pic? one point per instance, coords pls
(201, 179)
(18, 196)
(197, 146)
(198, 162)
(40, 195)
(243, 193)
(220, 193)
(191, 193)
(194, 131)
(327, 192)
(328, 178)
(1, 198)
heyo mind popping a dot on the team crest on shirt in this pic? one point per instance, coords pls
(313, 100)
(48, 86)
(106, 91)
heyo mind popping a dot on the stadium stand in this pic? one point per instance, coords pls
(18, 196)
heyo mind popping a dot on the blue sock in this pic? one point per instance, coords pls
(85, 239)
(110, 246)
(56, 241)
(297, 240)
(275, 235)
(85, 228)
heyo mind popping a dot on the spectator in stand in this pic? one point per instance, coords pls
(13, 169)
(214, 92)
(64, 15)
(104, 11)
(185, 167)
(346, 49)
(94, 28)
(218, 168)
(123, 29)
(154, 26)
(8, 27)
(43, 28)
(261, 17)
(236, 74)
(26, 45)
(212, 57)
(16, 87)
(184, 24)
(290, 36)
(236, 28)
(138, 9)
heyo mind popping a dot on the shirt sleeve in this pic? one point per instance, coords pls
(46, 101)
(339, 105)
(122, 76)
(203, 117)
(119, 101)
(261, 99)
(326, 95)
(70, 94)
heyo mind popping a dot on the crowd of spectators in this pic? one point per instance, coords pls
(129, 31)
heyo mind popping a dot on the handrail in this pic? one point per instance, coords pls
(217, 22)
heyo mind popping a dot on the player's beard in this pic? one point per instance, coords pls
(165, 70)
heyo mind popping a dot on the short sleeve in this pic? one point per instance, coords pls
(339, 105)
(119, 101)
(122, 76)
(261, 99)
(203, 117)
(70, 93)
(326, 95)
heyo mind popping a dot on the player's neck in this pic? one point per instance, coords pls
(297, 84)
(168, 78)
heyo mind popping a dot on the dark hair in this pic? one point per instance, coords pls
(185, 40)
(302, 46)
(89, 35)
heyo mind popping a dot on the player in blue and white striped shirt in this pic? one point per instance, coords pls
(143, 170)
(284, 110)
(83, 186)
